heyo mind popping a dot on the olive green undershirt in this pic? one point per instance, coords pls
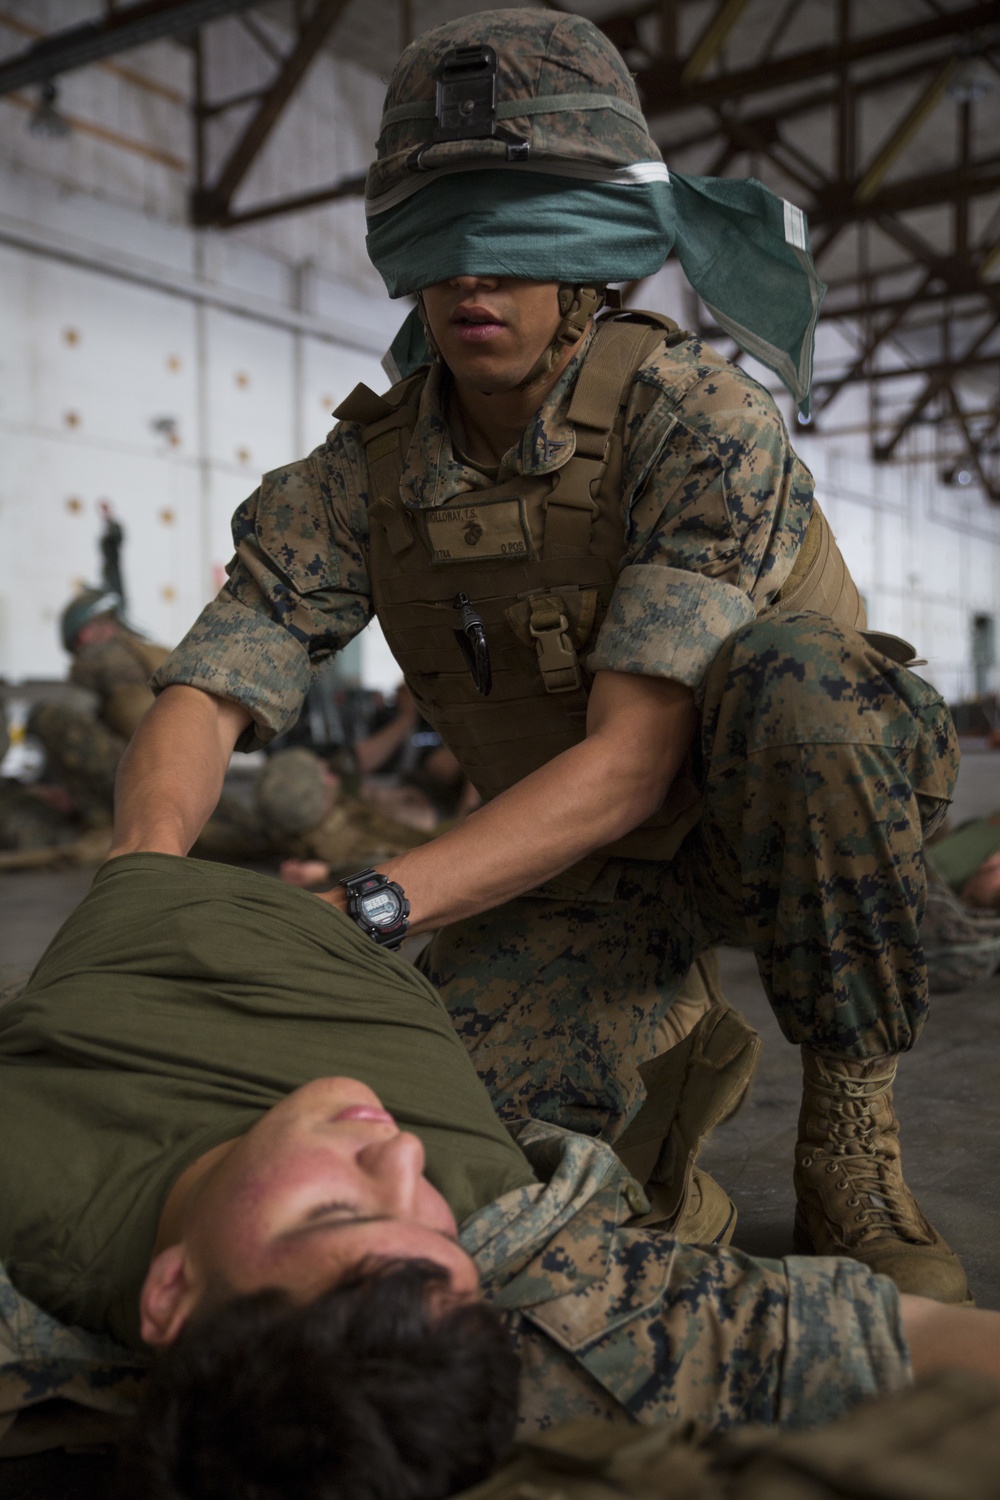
(958, 855)
(177, 1004)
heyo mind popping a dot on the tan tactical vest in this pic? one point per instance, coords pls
(538, 557)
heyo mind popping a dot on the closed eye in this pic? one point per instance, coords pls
(323, 1210)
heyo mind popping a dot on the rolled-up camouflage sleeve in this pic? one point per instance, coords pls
(675, 1332)
(298, 589)
(716, 504)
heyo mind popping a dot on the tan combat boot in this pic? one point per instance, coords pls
(700, 990)
(851, 1197)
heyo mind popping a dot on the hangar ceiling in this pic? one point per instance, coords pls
(882, 121)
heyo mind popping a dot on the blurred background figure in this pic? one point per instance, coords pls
(960, 929)
(325, 830)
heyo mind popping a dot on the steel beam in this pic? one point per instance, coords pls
(973, 447)
(118, 31)
(834, 206)
(862, 363)
(663, 91)
(210, 203)
(941, 371)
(347, 187)
(712, 39)
(938, 377)
(808, 103)
(918, 113)
(852, 312)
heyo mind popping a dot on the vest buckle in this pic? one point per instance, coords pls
(557, 658)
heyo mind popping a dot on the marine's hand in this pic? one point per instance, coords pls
(303, 872)
(336, 896)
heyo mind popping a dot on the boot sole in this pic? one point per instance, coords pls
(802, 1243)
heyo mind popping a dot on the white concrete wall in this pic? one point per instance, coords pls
(101, 349)
(154, 367)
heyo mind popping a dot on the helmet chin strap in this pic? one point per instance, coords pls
(577, 304)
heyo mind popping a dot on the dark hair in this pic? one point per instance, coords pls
(383, 1388)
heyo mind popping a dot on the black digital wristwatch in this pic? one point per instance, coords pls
(378, 906)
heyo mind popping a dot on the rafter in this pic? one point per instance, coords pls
(664, 91)
(862, 363)
(973, 446)
(119, 31)
(938, 377)
(210, 203)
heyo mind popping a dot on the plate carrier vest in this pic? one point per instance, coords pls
(538, 557)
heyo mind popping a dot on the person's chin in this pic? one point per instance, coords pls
(489, 378)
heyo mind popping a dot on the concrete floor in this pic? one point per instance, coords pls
(947, 1093)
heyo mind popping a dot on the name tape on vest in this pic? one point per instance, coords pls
(478, 533)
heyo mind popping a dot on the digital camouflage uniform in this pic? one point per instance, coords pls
(821, 762)
(714, 507)
(611, 1318)
(83, 748)
(83, 745)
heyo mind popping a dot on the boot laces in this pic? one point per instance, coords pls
(856, 1148)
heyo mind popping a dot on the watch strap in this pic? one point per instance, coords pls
(365, 883)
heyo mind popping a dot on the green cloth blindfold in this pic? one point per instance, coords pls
(744, 250)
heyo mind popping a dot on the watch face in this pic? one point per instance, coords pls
(382, 908)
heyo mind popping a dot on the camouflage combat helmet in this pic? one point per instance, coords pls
(543, 88)
(511, 87)
(88, 605)
(292, 793)
(513, 143)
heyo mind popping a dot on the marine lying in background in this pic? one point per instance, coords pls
(299, 811)
(323, 831)
(960, 928)
(83, 732)
(357, 1270)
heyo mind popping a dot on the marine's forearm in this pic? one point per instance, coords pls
(171, 775)
(595, 792)
(943, 1337)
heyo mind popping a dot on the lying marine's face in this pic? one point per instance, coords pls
(983, 888)
(491, 330)
(324, 1181)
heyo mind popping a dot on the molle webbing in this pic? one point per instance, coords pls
(819, 579)
(538, 557)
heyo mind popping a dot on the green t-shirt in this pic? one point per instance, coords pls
(178, 1003)
(958, 855)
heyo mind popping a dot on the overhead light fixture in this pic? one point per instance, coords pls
(959, 475)
(973, 78)
(45, 119)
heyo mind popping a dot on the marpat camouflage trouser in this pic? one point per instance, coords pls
(823, 763)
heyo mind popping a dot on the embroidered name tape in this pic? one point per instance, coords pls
(478, 533)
